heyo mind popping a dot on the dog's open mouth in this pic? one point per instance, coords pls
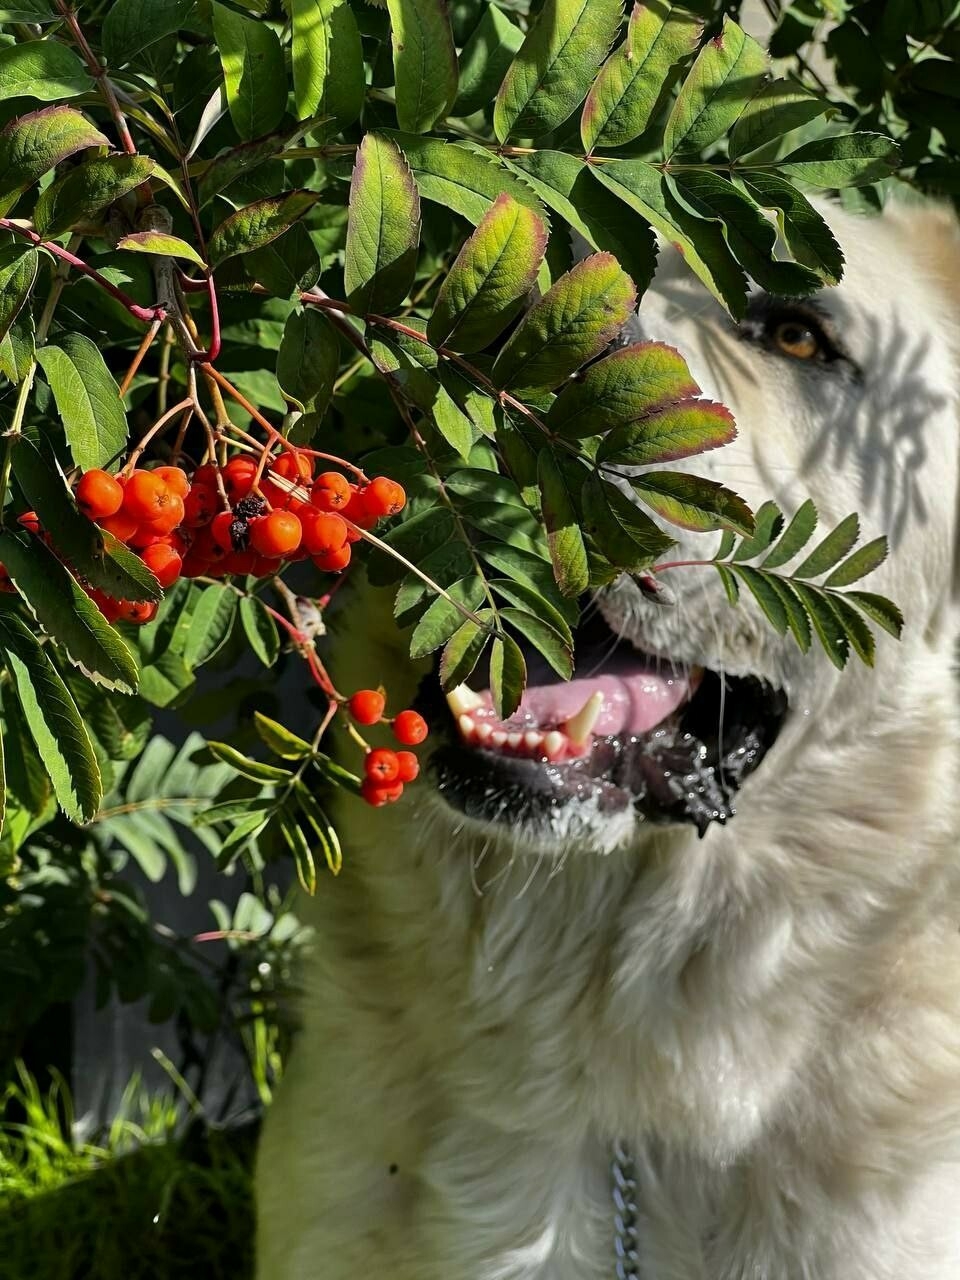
(631, 731)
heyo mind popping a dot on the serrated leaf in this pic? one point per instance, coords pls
(850, 160)
(42, 69)
(567, 551)
(328, 75)
(730, 584)
(484, 486)
(131, 26)
(300, 849)
(688, 427)
(88, 399)
(548, 642)
(287, 265)
(795, 537)
(281, 741)
(443, 619)
(693, 502)
(530, 571)
(508, 676)
(17, 351)
(727, 72)
(165, 680)
(627, 537)
(243, 160)
(258, 224)
(631, 83)
(831, 634)
(308, 361)
(87, 190)
(490, 277)
(774, 110)
(766, 596)
(210, 625)
(32, 144)
(67, 614)
(322, 827)
(879, 610)
(53, 720)
(752, 237)
(551, 74)
(530, 601)
(253, 71)
(444, 566)
(626, 385)
(726, 545)
(18, 272)
(806, 233)
(255, 770)
(768, 521)
(571, 323)
(863, 561)
(383, 231)
(414, 539)
(412, 367)
(424, 62)
(260, 630)
(461, 654)
(838, 543)
(514, 526)
(644, 188)
(161, 244)
(797, 617)
(855, 629)
(485, 58)
(241, 835)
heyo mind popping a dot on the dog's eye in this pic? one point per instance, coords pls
(797, 340)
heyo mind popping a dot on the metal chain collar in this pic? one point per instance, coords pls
(626, 1237)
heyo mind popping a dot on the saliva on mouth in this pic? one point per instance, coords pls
(631, 731)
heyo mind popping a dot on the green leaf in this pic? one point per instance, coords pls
(728, 71)
(443, 619)
(160, 244)
(243, 160)
(459, 178)
(768, 521)
(795, 537)
(551, 74)
(807, 235)
(166, 680)
(838, 543)
(531, 572)
(855, 629)
(484, 486)
(87, 190)
(797, 616)
(879, 610)
(726, 545)
(508, 676)
(567, 551)
(260, 630)
(412, 368)
(567, 185)
(628, 384)
(424, 62)
(18, 271)
(644, 188)
(766, 596)
(308, 361)
(253, 71)
(241, 835)
(461, 654)
(850, 160)
(255, 770)
(752, 237)
(67, 614)
(631, 83)
(31, 145)
(530, 601)
(279, 738)
(210, 625)
(258, 224)
(679, 431)
(485, 58)
(571, 323)
(95, 556)
(302, 855)
(693, 502)
(414, 539)
(383, 231)
(323, 829)
(777, 108)
(88, 399)
(490, 278)
(286, 265)
(730, 584)
(328, 75)
(17, 350)
(132, 26)
(42, 69)
(627, 537)
(545, 639)
(831, 634)
(513, 525)
(54, 722)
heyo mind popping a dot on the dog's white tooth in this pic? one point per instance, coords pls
(467, 726)
(579, 727)
(553, 745)
(497, 738)
(532, 740)
(462, 700)
(514, 740)
(483, 731)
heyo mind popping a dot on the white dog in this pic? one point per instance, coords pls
(526, 968)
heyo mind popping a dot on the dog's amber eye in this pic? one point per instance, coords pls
(796, 340)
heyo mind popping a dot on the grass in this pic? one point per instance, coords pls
(142, 1204)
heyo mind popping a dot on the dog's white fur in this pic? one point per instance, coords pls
(769, 1016)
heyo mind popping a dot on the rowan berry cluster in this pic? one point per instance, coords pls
(385, 770)
(239, 518)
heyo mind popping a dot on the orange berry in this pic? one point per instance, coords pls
(30, 521)
(366, 706)
(199, 506)
(410, 728)
(138, 611)
(146, 496)
(330, 492)
(384, 497)
(381, 765)
(323, 531)
(333, 561)
(359, 512)
(275, 534)
(238, 477)
(122, 525)
(293, 466)
(241, 562)
(163, 562)
(174, 478)
(220, 528)
(265, 566)
(98, 494)
(378, 795)
(170, 517)
(109, 607)
(408, 766)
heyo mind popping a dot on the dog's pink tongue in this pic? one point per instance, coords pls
(631, 703)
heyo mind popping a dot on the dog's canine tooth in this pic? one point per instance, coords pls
(553, 745)
(467, 726)
(579, 727)
(462, 700)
